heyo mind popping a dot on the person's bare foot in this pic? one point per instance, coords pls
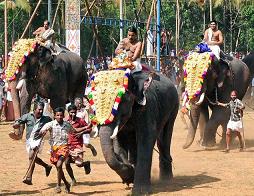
(67, 188)
(58, 189)
(226, 150)
(28, 181)
(73, 182)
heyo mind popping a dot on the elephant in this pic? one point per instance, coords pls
(58, 78)
(235, 76)
(128, 150)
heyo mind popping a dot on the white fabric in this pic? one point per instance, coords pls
(149, 43)
(252, 83)
(235, 125)
(138, 66)
(47, 34)
(86, 138)
(31, 144)
(215, 48)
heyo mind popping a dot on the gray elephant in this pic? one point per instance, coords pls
(58, 78)
(130, 151)
(217, 87)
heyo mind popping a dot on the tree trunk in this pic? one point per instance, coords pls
(177, 25)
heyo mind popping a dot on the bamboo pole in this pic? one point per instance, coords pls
(30, 20)
(90, 7)
(96, 35)
(5, 35)
(54, 19)
(211, 10)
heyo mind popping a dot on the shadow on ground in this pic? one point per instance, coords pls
(179, 183)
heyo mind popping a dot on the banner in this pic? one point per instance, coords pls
(72, 25)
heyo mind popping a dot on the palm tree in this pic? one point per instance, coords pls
(22, 4)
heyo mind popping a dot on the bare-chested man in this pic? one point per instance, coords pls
(46, 35)
(133, 49)
(213, 37)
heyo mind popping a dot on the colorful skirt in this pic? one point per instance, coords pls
(57, 152)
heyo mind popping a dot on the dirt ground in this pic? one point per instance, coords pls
(196, 172)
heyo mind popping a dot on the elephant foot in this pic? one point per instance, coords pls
(128, 179)
(208, 144)
(141, 190)
(222, 143)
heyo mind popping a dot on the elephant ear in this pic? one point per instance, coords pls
(45, 55)
(224, 72)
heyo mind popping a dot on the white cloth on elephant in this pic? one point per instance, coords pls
(138, 66)
(47, 35)
(215, 48)
(235, 125)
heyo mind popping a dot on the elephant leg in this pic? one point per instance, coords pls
(163, 144)
(223, 139)
(58, 102)
(203, 119)
(146, 137)
(212, 126)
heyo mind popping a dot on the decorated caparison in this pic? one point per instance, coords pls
(121, 61)
(195, 70)
(107, 90)
(20, 51)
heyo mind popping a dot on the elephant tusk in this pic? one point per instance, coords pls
(94, 133)
(114, 133)
(20, 84)
(184, 99)
(201, 99)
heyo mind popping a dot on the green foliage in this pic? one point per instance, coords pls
(232, 16)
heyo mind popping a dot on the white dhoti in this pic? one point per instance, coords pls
(235, 125)
(86, 138)
(215, 50)
(32, 144)
(138, 66)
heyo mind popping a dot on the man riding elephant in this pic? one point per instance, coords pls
(132, 48)
(46, 35)
(213, 37)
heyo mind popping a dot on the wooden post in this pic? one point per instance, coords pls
(5, 35)
(30, 20)
(54, 19)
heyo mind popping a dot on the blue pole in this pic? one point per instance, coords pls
(158, 34)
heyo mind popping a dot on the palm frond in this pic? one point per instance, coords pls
(10, 5)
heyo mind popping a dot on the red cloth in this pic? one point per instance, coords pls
(73, 140)
(57, 152)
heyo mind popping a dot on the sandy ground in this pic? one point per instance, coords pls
(196, 172)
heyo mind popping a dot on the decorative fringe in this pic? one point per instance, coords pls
(121, 91)
(20, 51)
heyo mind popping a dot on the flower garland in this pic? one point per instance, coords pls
(20, 51)
(107, 89)
(195, 70)
(121, 61)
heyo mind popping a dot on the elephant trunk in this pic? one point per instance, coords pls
(194, 118)
(125, 171)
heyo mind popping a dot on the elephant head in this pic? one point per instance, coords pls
(22, 72)
(203, 75)
(111, 93)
